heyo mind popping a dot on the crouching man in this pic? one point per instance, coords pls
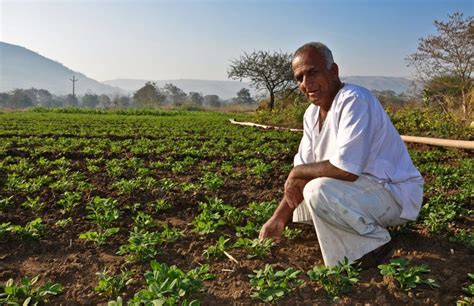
(352, 175)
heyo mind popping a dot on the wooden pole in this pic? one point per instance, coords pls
(462, 144)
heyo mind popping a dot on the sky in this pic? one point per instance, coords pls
(197, 39)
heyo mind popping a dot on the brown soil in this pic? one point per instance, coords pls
(62, 257)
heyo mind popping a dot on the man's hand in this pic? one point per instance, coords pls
(272, 229)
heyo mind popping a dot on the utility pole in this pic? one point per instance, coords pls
(73, 80)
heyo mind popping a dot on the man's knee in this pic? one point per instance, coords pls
(316, 192)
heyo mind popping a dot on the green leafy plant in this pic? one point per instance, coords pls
(407, 276)
(469, 290)
(111, 285)
(99, 237)
(141, 245)
(335, 280)
(160, 205)
(31, 231)
(212, 181)
(216, 250)
(63, 222)
(33, 203)
(167, 285)
(144, 221)
(255, 247)
(26, 293)
(270, 286)
(103, 211)
(70, 199)
(169, 235)
(291, 233)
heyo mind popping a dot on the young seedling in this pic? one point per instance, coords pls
(408, 277)
(141, 246)
(270, 286)
(167, 285)
(101, 236)
(469, 290)
(216, 250)
(111, 285)
(335, 280)
(255, 247)
(70, 200)
(290, 233)
(26, 293)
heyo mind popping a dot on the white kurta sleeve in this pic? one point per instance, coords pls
(354, 135)
(305, 153)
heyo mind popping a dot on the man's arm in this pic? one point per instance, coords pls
(302, 174)
(294, 185)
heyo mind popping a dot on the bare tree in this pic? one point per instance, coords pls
(450, 53)
(270, 71)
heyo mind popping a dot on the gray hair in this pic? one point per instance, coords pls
(318, 47)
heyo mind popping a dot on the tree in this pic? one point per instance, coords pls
(449, 54)
(196, 98)
(212, 101)
(71, 101)
(40, 97)
(148, 96)
(243, 96)
(104, 101)
(443, 92)
(270, 71)
(20, 99)
(90, 100)
(175, 94)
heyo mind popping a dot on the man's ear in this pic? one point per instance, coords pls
(334, 69)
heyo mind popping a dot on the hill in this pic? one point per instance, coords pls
(23, 68)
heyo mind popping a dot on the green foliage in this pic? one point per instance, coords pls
(270, 286)
(216, 250)
(111, 285)
(255, 247)
(63, 222)
(31, 231)
(429, 123)
(469, 290)
(214, 213)
(70, 200)
(99, 237)
(336, 280)
(141, 246)
(212, 181)
(291, 233)
(168, 285)
(103, 211)
(26, 293)
(408, 277)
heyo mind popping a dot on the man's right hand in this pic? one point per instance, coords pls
(272, 229)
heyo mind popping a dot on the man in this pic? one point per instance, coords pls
(352, 175)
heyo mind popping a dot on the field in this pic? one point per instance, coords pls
(166, 206)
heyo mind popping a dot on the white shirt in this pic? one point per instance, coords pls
(358, 137)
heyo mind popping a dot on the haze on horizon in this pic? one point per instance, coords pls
(144, 39)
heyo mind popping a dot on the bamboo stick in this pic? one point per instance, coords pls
(463, 144)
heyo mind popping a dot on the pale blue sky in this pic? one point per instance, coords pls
(109, 39)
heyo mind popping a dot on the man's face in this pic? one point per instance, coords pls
(318, 83)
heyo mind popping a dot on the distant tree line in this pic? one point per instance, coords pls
(149, 96)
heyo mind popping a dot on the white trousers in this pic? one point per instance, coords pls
(350, 218)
